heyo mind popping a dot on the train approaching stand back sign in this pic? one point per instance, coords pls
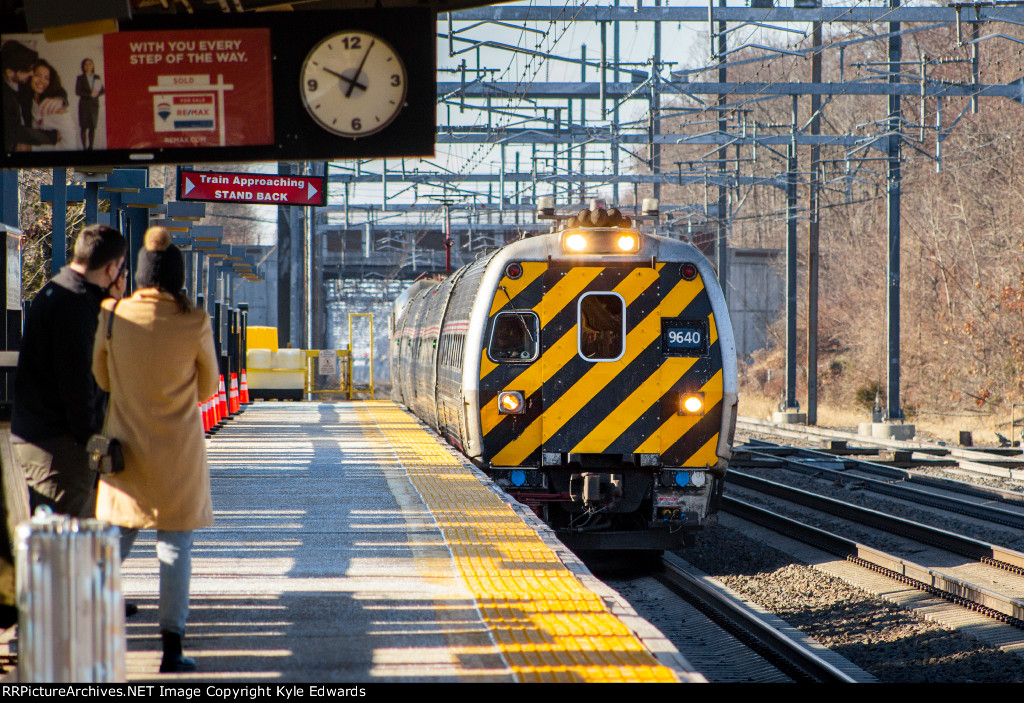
(591, 372)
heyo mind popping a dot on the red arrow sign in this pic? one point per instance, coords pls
(252, 188)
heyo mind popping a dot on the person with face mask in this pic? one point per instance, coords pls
(57, 403)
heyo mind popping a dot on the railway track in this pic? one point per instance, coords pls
(954, 541)
(725, 637)
(1002, 463)
(931, 559)
(902, 542)
(990, 504)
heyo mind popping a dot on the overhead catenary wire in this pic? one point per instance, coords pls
(529, 69)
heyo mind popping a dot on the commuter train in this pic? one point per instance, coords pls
(590, 372)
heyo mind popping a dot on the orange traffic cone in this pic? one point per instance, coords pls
(223, 399)
(245, 389)
(233, 406)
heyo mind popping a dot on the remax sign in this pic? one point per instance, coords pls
(252, 188)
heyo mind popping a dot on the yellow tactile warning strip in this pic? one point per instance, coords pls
(548, 626)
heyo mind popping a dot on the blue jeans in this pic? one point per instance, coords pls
(174, 550)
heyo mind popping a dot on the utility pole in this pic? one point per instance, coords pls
(791, 265)
(893, 181)
(812, 235)
(722, 238)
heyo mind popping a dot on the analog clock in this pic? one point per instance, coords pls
(353, 83)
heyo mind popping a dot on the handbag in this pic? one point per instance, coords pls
(105, 453)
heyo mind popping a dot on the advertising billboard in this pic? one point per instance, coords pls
(244, 88)
(140, 90)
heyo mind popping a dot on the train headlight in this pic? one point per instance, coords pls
(691, 404)
(600, 240)
(627, 242)
(576, 242)
(511, 403)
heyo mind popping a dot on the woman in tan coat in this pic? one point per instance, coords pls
(157, 363)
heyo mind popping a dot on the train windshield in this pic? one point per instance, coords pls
(602, 328)
(515, 337)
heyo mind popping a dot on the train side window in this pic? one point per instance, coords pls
(460, 341)
(601, 328)
(515, 337)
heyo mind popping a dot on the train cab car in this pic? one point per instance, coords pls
(591, 372)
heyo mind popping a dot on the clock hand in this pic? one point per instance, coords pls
(351, 81)
(352, 84)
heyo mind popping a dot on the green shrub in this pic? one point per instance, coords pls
(866, 395)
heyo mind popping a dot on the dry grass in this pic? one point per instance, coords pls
(930, 426)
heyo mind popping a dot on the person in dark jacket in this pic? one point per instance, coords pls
(57, 403)
(88, 88)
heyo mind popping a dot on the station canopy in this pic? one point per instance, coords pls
(44, 14)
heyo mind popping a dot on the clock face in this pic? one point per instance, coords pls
(353, 83)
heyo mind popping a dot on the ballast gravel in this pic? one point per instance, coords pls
(895, 645)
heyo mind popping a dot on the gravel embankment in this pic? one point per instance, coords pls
(895, 645)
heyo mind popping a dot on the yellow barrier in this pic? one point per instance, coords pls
(311, 371)
(352, 389)
(261, 338)
(269, 367)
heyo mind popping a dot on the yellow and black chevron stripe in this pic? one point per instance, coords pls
(622, 407)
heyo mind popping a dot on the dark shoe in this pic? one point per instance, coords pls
(174, 662)
(130, 609)
(177, 665)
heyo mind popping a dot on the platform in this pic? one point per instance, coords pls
(351, 545)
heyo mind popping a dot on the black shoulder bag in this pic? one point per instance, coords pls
(105, 453)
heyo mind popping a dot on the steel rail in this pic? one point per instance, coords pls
(991, 554)
(968, 459)
(985, 601)
(914, 494)
(745, 624)
(911, 445)
(890, 472)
